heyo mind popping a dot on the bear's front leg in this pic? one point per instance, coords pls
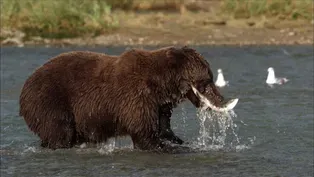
(165, 132)
(147, 141)
(151, 142)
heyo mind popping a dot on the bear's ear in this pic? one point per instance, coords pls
(175, 56)
(175, 52)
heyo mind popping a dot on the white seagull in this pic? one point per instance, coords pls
(271, 78)
(220, 82)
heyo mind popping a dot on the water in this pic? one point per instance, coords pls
(271, 134)
(217, 131)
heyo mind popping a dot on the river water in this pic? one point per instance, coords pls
(271, 133)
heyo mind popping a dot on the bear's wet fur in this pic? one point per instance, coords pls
(84, 96)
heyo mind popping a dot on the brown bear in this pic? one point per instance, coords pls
(84, 96)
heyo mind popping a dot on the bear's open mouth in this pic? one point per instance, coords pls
(208, 104)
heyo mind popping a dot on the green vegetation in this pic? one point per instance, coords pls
(73, 18)
(67, 18)
(59, 18)
(289, 9)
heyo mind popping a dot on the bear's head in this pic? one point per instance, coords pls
(192, 70)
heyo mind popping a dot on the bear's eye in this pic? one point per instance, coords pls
(202, 85)
(207, 81)
(201, 89)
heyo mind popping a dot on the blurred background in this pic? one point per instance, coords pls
(271, 134)
(156, 22)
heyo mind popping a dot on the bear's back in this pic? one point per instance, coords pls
(73, 67)
(79, 62)
(66, 74)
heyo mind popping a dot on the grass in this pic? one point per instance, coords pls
(76, 18)
(59, 18)
(145, 4)
(67, 18)
(287, 9)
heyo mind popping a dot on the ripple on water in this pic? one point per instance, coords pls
(281, 119)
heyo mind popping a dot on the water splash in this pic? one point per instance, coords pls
(108, 147)
(183, 114)
(116, 144)
(27, 149)
(184, 117)
(218, 131)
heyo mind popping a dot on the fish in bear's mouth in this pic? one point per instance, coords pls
(208, 104)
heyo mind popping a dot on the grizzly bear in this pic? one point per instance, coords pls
(84, 96)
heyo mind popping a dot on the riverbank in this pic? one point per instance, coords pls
(184, 27)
